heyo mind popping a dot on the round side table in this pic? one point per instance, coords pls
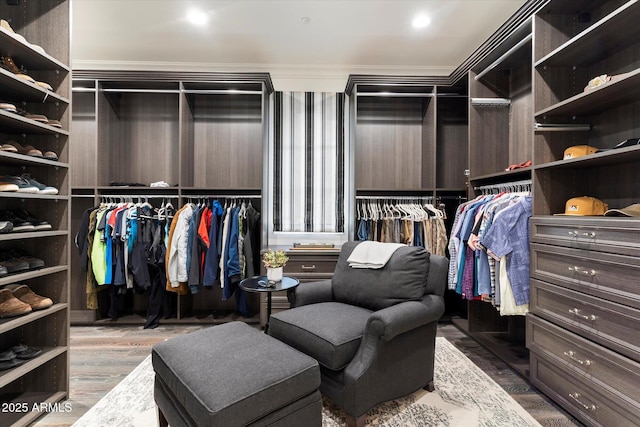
(260, 284)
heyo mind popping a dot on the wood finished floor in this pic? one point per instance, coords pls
(101, 356)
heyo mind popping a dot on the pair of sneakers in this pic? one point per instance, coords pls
(25, 184)
(21, 220)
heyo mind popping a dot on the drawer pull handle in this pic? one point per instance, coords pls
(580, 270)
(590, 234)
(576, 312)
(572, 355)
(576, 397)
(308, 267)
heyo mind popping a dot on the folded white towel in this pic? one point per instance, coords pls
(369, 254)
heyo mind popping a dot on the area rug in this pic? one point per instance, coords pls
(465, 397)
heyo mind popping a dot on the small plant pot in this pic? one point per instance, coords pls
(274, 275)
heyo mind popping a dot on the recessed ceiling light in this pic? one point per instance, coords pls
(197, 17)
(421, 21)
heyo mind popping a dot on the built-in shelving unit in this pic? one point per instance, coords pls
(409, 137)
(585, 308)
(204, 134)
(45, 58)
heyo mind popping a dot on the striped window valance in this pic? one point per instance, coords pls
(309, 144)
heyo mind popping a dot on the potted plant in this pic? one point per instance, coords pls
(274, 261)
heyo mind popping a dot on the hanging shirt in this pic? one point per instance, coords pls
(509, 235)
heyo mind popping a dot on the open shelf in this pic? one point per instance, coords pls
(611, 33)
(625, 89)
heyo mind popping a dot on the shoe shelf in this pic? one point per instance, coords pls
(31, 274)
(16, 88)
(16, 195)
(8, 158)
(24, 54)
(48, 353)
(11, 323)
(15, 123)
(38, 43)
(31, 235)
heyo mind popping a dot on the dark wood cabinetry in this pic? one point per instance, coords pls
(500, 135)
(584, 297)
(407, 137)
(204, 134)
(39, 45)
(530, 100)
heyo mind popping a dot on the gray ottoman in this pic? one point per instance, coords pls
(234, 375)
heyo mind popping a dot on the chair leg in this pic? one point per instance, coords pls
(162, 420)
(355, 422)
(429, 386)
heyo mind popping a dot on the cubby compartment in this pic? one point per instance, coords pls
(223, 135)
(138, 133)
(84, 131)
(452, 139)
(395, 135)
(500, 109)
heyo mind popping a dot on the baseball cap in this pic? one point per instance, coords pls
(584, 206)
(631, 210)
(578, 150)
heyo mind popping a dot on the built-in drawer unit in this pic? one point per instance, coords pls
(606, 369)
(316, 265)
(610, 324)
(605, 275)
(613, 235)
(592, 405)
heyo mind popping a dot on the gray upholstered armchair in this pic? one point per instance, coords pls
(371, 330)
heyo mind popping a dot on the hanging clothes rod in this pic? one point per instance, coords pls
(221, 196)
(140, 196)
(505, 185)
(394, 197)
(504, 56)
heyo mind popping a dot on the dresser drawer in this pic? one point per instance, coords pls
(608, 276)
(311, 265)
(589, 403)
(616, 374)
(613, 235)
(613, 325)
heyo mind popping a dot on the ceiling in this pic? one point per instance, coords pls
(341, 37)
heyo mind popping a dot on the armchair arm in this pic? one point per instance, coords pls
(310, 293)
(399, 318)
